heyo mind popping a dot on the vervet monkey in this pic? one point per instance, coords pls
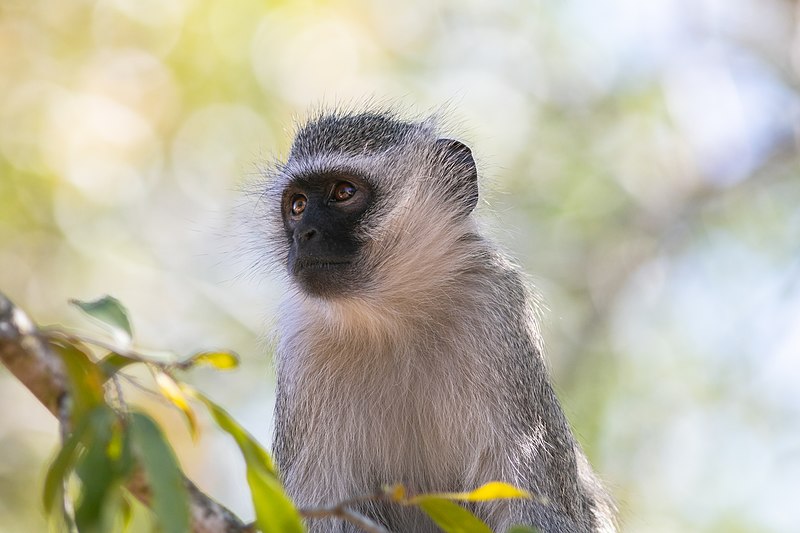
(408, 346)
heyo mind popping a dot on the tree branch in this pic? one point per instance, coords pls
(25, 353)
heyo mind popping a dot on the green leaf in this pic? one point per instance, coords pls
(111, 313)
(275, 512)
(451, 517)
(221, 360)
(99, 452)
(97, 472)
(114, 362)
(62, 465)
(86, 379)
(170, 503)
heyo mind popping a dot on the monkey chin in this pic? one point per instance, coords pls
(323, 278)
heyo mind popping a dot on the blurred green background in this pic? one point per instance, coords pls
(640, 159)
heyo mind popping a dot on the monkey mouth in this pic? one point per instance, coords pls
(322, 277)
(305, 265)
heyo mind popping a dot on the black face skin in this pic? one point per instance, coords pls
(321, 214)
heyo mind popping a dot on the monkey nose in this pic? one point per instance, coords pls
(305, 235)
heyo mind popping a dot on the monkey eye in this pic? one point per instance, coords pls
(344, 190)
(298, 204)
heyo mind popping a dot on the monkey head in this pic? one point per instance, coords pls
(346, 183)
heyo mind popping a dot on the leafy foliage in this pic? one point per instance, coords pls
(109, 447)
(451, 517)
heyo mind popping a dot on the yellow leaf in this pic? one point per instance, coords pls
(172, 392)
(494, 490)
(219, 360)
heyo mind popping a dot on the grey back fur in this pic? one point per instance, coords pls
(429, 372)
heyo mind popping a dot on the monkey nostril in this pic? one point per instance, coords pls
(307, 235)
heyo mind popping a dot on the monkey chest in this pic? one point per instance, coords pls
(397, 427)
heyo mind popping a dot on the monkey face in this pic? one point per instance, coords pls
(321, 216)
(367, 203)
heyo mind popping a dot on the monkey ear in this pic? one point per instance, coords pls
(457, 157)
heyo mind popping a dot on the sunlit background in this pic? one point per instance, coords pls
(640, 159)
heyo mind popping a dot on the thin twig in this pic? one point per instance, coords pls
(343, 510)
(345, 513)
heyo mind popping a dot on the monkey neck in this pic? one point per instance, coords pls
(421, 295)
(369, 325)
(396, 329)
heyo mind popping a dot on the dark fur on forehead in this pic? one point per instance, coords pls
(363, 133)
